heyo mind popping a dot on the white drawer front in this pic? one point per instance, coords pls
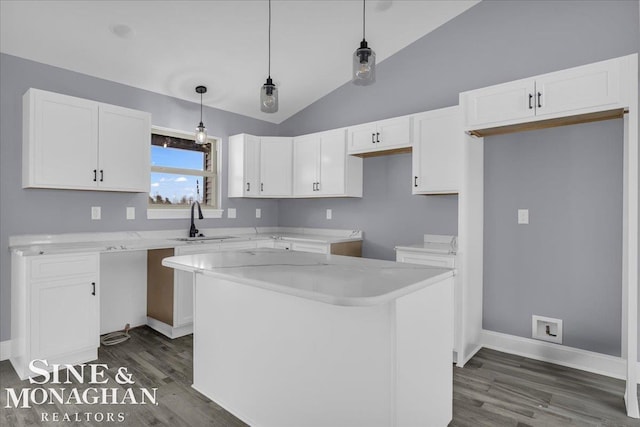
(282, 245)
(58, 266)
(444, 261)
(310, 247)
(237, 246)
(197, 248)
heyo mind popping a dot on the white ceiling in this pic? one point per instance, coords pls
(177, 45)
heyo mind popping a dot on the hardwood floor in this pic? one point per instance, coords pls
(494, 389)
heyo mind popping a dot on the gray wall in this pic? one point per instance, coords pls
(567, 262)
(34, 211)
(496, 42)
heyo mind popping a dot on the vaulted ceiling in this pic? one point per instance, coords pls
(170, 47)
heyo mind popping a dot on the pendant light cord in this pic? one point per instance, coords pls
(200, 107)
(363, 16)
(269, 73)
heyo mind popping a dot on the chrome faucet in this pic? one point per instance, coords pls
(193, 231)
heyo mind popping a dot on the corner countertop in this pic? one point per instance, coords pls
(433, 244)
(331, 279)
(30, 245)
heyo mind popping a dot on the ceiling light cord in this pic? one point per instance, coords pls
(200, 108)
(363, 17)
(269, 38)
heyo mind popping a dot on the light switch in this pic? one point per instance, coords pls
(523, 216)
(258, 213)
(329, 214)
(231, 212)
(96, 212)
(131, 212)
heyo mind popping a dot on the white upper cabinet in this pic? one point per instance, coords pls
(584, 90)
(124, 140)
(243, 171)
(321, 167)
(437, 151)
(259, 167)
(385, 135)
(276, 157)
(74, 143)
(496, 104)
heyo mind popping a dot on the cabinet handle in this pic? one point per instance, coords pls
(317, 186)
(314, 186)
(262, 186)
(373, 138)
(539, 99)
(415, 181)
(93, 291)
(248, 186)
(530, 98)
(101, 175)
(377, 136)
(95, 175)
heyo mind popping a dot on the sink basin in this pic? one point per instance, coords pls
(195, 239)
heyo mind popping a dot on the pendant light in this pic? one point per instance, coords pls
(201, 131)
(269, 91)
(364, 60)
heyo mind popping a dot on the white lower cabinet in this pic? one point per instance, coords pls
(55, 314)
(443, 261)
(316, 248)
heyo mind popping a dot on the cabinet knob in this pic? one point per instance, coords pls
(93, 286)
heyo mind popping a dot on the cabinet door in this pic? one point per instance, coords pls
(362, 138)
(437, 151)
(425, 259)
(276, 164)
(332, 175)
(61, 141)
(65, 316)
(394, 133)
(590, 86)
(501, 103)
(251, 166)
(306, 159)
(124, 149)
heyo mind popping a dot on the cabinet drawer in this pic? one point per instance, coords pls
(310, 247)
(282, 245)
(60, 266)
(237, 246)
(444, 261)
(197, 248)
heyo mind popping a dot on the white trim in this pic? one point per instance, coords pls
(571, 357)
(168, 330)
(5, 350)
(155, 213)
(468, 356)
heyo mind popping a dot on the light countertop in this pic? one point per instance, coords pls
(433, 244)
(144, 240)
(332, 279)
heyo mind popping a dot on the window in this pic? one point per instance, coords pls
(181, 173)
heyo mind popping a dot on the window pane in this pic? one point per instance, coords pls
(177, 158)
(168, 189)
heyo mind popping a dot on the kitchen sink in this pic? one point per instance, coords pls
(196, 239)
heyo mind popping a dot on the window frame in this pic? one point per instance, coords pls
(171, 212)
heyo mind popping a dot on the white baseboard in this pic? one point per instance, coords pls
(168, 330)
(585, 360)
(5, 350)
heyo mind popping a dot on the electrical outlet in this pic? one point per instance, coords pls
(546, 329)
(96, 212)
(231, 212)
(329, 214)
(258, 213)
(131, 212)
(523, 216)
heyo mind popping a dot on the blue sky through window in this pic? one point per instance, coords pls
(176, 188)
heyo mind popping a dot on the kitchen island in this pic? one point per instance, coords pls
(298, 339)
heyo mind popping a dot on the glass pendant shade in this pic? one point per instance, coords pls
(269, 97)
(364, 65)
(201, 131)
(201, 134)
